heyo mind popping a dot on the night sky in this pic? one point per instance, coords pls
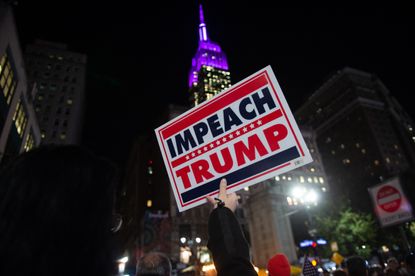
(139, 52)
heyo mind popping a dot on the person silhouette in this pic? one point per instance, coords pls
(56, 212)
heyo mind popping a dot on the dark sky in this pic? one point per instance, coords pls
(139, 52)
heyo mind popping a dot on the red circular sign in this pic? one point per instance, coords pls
(389, 199)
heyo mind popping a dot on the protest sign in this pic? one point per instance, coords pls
(245, 134)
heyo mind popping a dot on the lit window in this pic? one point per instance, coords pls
(357, 145)
(63, 136)
(289, 178)
(30, 142)
(289, 201)
(20, 118)
(312, 169)
(7, 79)
(277, 178)
(342, 146)
(149, 203)
(363, 151)
(309, 180)
(69, 101)
(321, 180)
(283, 177)
(333, 152)
(315, 179)
(346, 161)
(376, 162)
(387, 160)
(301, 179)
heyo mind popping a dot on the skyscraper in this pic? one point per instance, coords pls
(59, 75)
(19, 130)
(363, 134)
(209, 74)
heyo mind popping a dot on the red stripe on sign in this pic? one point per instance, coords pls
(227, 138)
(237, 184)
(285, 115)
(215, 104)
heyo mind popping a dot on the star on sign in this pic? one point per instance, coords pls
(211, 146)
(217, 142)
(245, 129)
(230, 136)
(199, 151)
(259, 122)
(193, 154)
(251, 126)
(224, 139)
(205, 148)
(187, 157)
(238, 132)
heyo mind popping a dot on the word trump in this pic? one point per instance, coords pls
(245, 134)
(240, 151)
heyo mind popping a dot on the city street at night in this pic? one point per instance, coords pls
(206, 138)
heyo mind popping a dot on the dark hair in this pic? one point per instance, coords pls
(56, 205)
(410, 261)
(154, 263)
(339, 273)
(356, 266)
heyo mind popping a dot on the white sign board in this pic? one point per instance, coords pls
(245, 134)
(390, 203)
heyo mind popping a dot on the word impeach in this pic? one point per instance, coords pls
(248, 109)
(245, 134)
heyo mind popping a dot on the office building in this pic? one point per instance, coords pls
(363, 134)
(19, 130)
(209, 73)
(59, 75)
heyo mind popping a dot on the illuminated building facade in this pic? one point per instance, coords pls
(19, 130)
(362, 132)
(209, 74)
(285, 197)
(59, 75)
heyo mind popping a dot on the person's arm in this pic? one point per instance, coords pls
(226, 240)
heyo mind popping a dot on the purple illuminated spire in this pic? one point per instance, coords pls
(202, 26)
(208, 53)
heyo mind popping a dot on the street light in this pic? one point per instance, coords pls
(305, 195)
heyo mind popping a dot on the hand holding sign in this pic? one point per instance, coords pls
(230, 201)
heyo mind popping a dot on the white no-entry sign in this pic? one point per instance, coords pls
(389, 198)
(391, 205)
(245, 134)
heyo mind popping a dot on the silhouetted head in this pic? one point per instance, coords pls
(356, 266)
(339, 273)
(410, 262)
(154, 263)
(56, 206)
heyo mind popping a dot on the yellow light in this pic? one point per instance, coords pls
(208, 267)
(314, 262)
(149, 203)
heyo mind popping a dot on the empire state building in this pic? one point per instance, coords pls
(209, 74)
